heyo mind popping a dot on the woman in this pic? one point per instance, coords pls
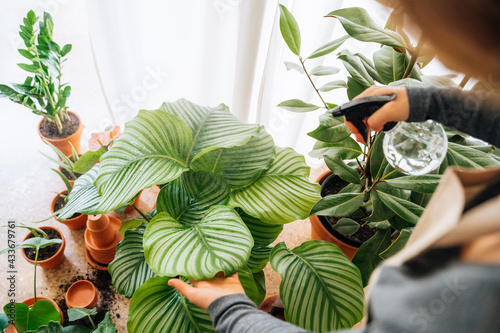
(446, 279)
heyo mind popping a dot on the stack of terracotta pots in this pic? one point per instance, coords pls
(101, 238)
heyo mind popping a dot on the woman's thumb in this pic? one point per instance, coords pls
(181, 286)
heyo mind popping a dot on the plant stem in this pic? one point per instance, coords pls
(310, 80)
(58, 124)
(464, 81)
(92, 322)
(414, 57)
(140, 212)
(34, 275)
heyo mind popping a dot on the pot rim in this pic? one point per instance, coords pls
(70, 293)
(328, 176)
(58, 195)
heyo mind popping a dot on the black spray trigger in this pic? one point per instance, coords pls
(357, 110)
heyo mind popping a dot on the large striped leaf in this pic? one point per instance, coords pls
(210, 127)
(157, 307)
(321, 289)
(282, 193)
(129, 269)
(253, 284)
(189, 197)
(263, 233)
(240, 165)
(83, 198)
(154, 149)
(219, 242)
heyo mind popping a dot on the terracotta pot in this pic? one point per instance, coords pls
(101, 237)
(82, 294)
(53, 261)
(322, 230)
(75, 223)
(63, 144)
(268, 306)
(130, 208)
(29, 302)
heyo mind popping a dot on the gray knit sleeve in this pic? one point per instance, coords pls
(474, 113)
(237, 313)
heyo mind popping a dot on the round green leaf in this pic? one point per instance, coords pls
(219, 242)
(188, 198)
(157, 307)
(320, 288)
(282, 193)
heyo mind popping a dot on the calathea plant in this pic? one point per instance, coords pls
(43, 92)
(226, 191)
(374, 196)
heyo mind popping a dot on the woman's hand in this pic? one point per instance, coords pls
(396, 110)
(205, 292)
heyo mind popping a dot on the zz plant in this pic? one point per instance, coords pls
(226, 191)
(376, 194)
(43, 92)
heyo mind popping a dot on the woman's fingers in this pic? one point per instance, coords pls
(182, 287)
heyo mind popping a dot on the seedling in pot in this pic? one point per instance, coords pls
(43, 311)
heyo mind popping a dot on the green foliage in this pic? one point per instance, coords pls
(320, 288)
(79, 313)
(26, 319)
(42, 91)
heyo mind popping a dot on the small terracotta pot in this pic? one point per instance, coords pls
(75, 223)
(321, 230)
(63, 144)
(82, 294)
(130, 208)
(53, 261)
(101, 237)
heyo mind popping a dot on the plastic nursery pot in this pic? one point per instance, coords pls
(136, 202)
(64, 143)
(101, 238)
(322, 230)
(53, 261)
(74, 223)
(82, 294)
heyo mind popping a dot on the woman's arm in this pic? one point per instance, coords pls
(474, 113)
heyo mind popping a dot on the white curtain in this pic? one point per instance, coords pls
(217, 51)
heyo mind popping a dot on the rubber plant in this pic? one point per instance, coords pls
(42, 312)
(376, 194)
(226, 191)
(43, 93)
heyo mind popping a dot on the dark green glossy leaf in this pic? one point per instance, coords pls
(468, 157)
(422, 184)
(403, 208)
(346, 226)
(338, 204)
(380, 211)
(356, 69)
(331, 129)
(370, 68)
(346, 149)
(354, 88)
(377, 157)
(338, 167)
(368, 257)
(398, 244)
(390, 64)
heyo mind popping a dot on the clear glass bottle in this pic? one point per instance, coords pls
(416, 148)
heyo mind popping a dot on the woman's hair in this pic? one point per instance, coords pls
(465, 34)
